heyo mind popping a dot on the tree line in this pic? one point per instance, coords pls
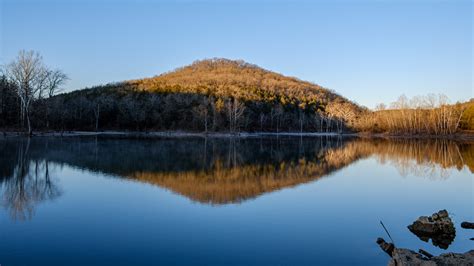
(421, 115)
(216, 95)
(120, 107)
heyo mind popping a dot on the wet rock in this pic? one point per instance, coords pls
(443, 214)
(387, 247)
(467, 225)
(437, 227)
(403, 256)
(455, 258)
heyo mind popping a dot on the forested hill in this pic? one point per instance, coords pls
(248, 82)
(208, 95)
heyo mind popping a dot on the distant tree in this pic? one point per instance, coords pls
(262, 117)
(132, 110)
(380, 107)
(201, 111)
(276, 114)
(54, 80)
(97, 105)
(235, 111)
(301, 120)
(153, 110)
(8, 101)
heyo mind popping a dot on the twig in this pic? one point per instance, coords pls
(387, 232)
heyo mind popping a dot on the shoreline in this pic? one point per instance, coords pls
(461, 136)
(172, 134)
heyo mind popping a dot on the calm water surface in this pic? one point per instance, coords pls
(257, 201)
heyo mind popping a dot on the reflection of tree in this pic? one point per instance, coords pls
(30, 184)
(427, 158)
(214, 170)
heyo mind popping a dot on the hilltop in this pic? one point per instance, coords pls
(236, 78)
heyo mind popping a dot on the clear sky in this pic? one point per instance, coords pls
(368, 51)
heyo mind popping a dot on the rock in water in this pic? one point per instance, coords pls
(467, 225)
(387, 247)
(401, 256)
(438, 227)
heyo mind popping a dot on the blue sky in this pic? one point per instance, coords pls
(368, 51)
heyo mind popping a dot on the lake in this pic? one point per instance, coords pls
(226, 201)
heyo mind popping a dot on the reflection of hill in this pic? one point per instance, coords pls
(217, 171)
(226, 185)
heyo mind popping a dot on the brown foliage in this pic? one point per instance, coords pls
(428, 115)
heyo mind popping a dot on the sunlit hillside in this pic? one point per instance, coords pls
(248, 82)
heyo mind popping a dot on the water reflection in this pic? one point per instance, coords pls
(442, 241)
(25, 181)
(211, 171)
(432, 158)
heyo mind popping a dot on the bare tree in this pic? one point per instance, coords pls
(380, 107)
(301, 119)
(54, 80)
(262, 119)
(428, 115)
(277, 112)
(202, 113)
(96, 110)
(235, 111)
(31, 78)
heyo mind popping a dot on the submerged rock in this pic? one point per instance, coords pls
(437, 227)
(467, 225)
